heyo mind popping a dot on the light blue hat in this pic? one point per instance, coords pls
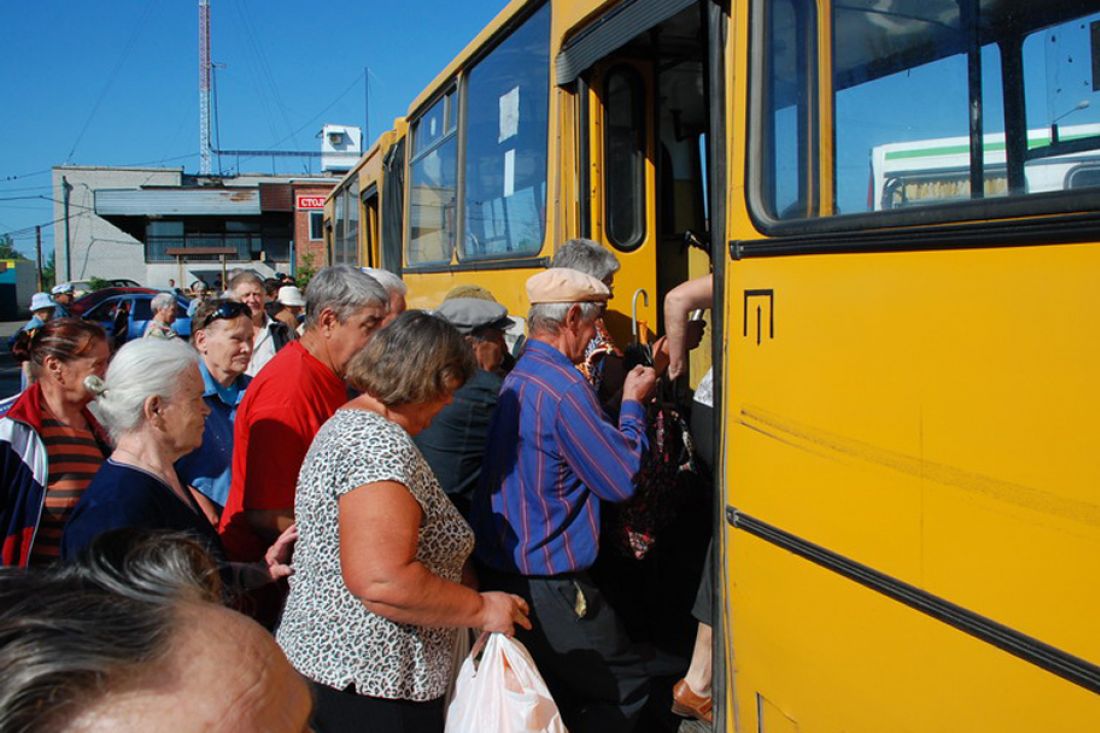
(40, 301)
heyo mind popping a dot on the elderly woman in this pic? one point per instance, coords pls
(50, 445)
(152, 403)
(222, 334)
(377, 596)
(163, 306)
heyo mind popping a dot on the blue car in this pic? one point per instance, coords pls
(104, 312)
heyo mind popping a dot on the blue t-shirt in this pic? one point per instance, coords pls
(122, 496)
(207, 468)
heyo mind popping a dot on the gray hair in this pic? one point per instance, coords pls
(548, 317)
(243, 276)
(343, 289)
(391, 282)
(161, 301)
(141, 369)
(70, 633)
(415, 359)
(586, 256)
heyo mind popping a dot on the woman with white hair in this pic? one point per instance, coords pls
(152, 404)
(163, 306)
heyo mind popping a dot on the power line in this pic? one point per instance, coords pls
(311, 120)
(114, 75)
(45, 186)
(26, 175)
(30, 230)
(265, 69)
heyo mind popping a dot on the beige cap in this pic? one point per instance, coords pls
(562, 285)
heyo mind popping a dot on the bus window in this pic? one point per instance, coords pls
(393, 206)
(1063, 105)
(625, 151)
(787, 110)
(346, 251)
(432, 189)
(507, 119)
(921, 106)
(339, 221)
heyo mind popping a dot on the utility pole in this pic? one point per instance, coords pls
(38, 255)
(366, 108)
(67, 188)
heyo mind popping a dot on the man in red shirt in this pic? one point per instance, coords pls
(288, 401)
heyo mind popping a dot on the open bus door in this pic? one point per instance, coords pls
(646, 127)
(623, 208)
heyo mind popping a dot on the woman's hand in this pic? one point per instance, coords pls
(277, 557)
(502, 611)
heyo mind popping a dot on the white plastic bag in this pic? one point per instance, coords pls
(503, 693)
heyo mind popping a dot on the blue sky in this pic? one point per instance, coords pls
(116, 83)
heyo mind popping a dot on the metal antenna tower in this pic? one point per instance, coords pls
(204, 87)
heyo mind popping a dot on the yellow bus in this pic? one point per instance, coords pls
(354, 209)
(908, 527)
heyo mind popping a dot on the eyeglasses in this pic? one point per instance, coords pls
(229, 309)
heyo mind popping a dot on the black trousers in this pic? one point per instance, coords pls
(597, 675)
(337, 711)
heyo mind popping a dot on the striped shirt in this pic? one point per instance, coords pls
(74, 457)
(551, 456)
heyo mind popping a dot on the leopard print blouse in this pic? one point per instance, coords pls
(327, 633)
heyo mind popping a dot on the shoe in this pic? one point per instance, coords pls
(687, 704)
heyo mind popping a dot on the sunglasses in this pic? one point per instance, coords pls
(229, 309)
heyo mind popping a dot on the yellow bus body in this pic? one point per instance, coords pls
(909, 525)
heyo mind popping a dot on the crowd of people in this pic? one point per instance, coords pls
(368, 483)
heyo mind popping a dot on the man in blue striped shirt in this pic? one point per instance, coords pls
(551, 457)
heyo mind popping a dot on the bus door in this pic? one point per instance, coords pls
(622, 171)
(647, 125)
(370, 255)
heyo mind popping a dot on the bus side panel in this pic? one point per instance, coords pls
(508, 286)
(928, 415)
(817, 652)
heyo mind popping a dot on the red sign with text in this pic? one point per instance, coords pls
(311, 202)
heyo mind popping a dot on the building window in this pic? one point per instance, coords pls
(316, 225)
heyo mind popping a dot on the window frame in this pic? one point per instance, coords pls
(637, 85)
(982, 212)
(446, 96)
(455, 88)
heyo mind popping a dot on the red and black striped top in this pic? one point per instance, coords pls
(74, 457)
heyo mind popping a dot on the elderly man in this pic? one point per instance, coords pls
(62, 299)
(163, 306)
(551, 457)
(396, 290)
(131, 638)
(287, 403)
(454, 443)
(199, 293)
(268, 335)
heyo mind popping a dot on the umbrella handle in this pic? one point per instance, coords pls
(634, 310)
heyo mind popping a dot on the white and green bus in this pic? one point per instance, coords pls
(937, 171)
